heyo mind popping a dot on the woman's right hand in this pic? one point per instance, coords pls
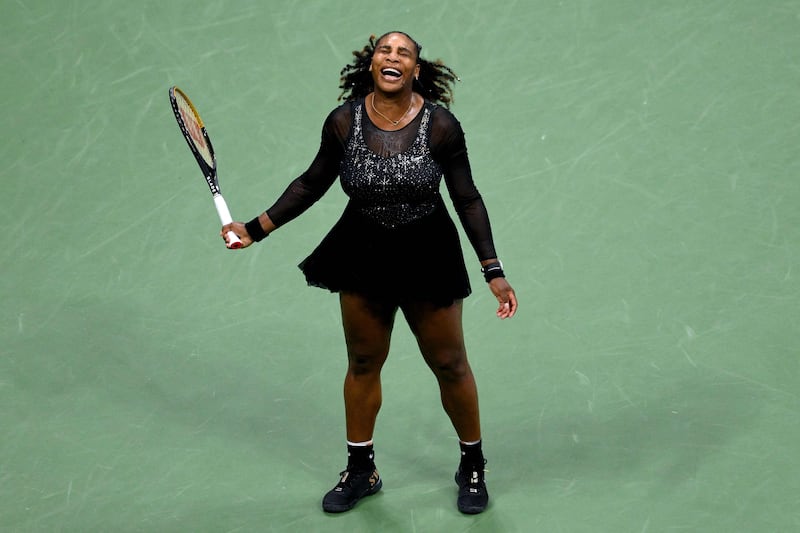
(240, 231)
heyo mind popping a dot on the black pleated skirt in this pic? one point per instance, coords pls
(418, 261)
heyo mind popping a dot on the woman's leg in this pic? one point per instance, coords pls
(440, 338)
(367, 330)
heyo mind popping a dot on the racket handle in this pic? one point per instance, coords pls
(226, 218)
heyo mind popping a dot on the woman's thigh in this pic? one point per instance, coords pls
(439, 333)
(367, 327)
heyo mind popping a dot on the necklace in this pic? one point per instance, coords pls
(393, 122)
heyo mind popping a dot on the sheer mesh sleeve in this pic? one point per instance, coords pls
(309, 187)
(449, 148)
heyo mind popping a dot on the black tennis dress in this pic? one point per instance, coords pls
(395, 240)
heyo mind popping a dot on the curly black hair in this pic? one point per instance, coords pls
(435, 82)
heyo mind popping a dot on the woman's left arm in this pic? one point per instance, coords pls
(450, 151)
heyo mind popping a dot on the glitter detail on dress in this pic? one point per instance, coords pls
(392, 190)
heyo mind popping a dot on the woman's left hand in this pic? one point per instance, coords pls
(505, 296)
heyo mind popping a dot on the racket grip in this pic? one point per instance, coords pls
(226, 218)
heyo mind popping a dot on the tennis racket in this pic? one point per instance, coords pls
(196, 136)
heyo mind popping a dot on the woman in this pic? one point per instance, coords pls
(395, 246)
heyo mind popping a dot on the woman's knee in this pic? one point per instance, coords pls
(449, 365)
(364, 363)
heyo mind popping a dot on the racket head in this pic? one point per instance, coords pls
(195, 134)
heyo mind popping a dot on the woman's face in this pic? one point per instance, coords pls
(394, 63)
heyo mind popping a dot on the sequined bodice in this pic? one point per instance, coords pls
(392, 190)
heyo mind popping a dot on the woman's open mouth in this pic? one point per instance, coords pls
(391, 73)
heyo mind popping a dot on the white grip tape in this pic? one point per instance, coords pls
(222, 209)
(226, 218)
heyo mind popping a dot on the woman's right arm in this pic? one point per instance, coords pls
(307, 188)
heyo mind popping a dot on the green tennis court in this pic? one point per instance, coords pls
(640, 165)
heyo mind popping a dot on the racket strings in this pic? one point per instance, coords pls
(194, 126)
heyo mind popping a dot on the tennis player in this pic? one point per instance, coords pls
(396, 248)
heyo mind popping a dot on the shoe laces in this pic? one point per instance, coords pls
(347, 476)
(345, 479)
(476, 475)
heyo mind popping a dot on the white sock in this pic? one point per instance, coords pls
(360, 444)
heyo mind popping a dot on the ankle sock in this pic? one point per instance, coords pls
(472, 454)
(360, 456)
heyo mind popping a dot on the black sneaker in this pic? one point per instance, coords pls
(472, 494)
(353, 486)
